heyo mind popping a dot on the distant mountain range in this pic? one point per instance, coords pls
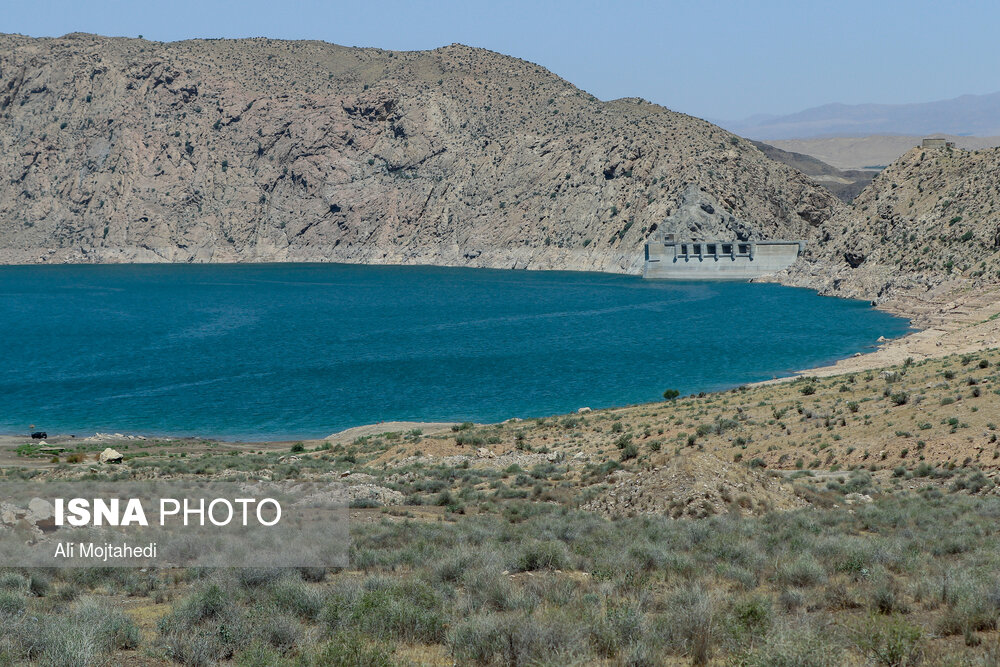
(871, 152)
(977, 115)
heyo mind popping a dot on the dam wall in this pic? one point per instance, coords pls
(717, 260)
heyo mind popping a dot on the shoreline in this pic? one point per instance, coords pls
(343, 436)
(962, 325)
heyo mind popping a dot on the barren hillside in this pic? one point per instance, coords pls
(259, 150)
(929, 224)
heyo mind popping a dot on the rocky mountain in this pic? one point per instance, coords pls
(115, 150)
(930, 221)
(969, 114)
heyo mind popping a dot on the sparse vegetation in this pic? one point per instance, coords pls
(781, 525)
(801, 523)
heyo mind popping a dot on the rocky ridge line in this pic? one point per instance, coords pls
(125, 150)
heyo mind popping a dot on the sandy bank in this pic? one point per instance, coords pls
(426, 428)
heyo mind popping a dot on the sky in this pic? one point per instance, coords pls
(721, 60)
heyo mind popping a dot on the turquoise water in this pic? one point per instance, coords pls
(302, 350)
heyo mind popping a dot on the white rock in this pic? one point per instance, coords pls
(856, 498)
(39, 509)
(583, 411)
(111, 456)
(379, 494)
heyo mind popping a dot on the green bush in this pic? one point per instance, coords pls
(295, 597)
(890, 641)
(749, 618)
(798, 645)
(258, 654)
(11, 603)
(89, 632)
(802, 572)
(205, 604)
(689, 625)
(13, 581)
(543, 555)
(351, 650)
(409, 612)
(617, 628)
(519, 640)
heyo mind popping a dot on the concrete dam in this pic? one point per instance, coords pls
(670, 259)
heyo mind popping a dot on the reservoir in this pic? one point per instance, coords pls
(283, 351)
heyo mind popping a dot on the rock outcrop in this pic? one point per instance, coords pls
(110, 456)
(926, 229)
(699, 215)
(122, 150)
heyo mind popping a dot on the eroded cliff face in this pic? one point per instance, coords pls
(120, 150)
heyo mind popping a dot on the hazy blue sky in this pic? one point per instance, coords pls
(715, 59)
